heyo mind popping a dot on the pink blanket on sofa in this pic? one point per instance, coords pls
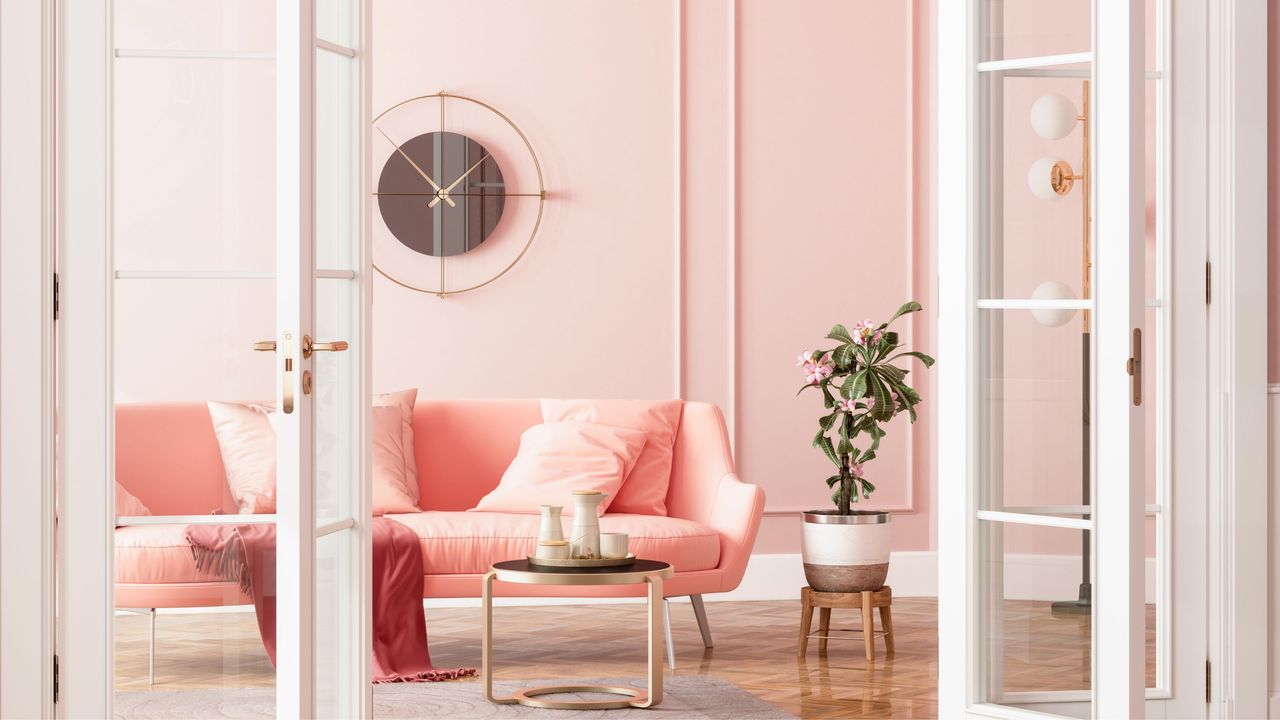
(246, 554)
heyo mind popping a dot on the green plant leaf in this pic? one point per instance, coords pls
(883, 409)
(841, 333)
(833, 480)
(826, 421)
(927, 360)
(908, 307)
(890, 373)
(844, 355)
(824, 442)
(890, 338)
(827, 400)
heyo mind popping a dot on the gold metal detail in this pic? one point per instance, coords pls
(309, 346)
(265, 346)
(1061, 178)
(541, 194)
(286, 401)
(1134, 366)
(632, 696)
(306, 382)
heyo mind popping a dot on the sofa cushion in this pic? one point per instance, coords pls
(156, 554)
(644, 490)
(469, 542)
(559, 459)
(248, 445)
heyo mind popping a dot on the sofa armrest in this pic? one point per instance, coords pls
(735, 515)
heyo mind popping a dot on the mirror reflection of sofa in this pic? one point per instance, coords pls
(167, 456)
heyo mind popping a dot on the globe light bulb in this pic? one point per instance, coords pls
(1040, 178)
(1053, 317)
(1053, 116)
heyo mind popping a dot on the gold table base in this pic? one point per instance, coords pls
(634, 697)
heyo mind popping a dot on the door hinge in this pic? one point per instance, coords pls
(1208, 282)
(1208, 681)
(55, 296)
(55, 679)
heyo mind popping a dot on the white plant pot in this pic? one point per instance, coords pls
(845, 553)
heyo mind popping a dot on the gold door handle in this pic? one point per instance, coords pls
(286, 405)
(309, 346)
(1134, 366)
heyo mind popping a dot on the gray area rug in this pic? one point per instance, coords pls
(687, 697)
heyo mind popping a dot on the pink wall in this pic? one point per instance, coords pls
(633, 289)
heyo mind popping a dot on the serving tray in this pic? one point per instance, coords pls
(594, 562)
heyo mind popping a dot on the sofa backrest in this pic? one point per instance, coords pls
(168, 457)
(167, 454)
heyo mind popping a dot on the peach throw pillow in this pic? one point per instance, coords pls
(248, 446)
(405, 400)
(127, 505)
(392, 490)
(557, 458)
(644, 490)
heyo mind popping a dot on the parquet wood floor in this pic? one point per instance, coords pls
(755, 648)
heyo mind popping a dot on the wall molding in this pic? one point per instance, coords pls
(678, 351)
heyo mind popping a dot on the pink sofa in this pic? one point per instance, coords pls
(167, 456)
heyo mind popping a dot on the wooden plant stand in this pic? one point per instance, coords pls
(867, 601)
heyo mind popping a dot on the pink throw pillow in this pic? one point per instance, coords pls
(248, 446)
(644, 490)
(127, 505)
(557, 458)
(405, 400)
(392, 490)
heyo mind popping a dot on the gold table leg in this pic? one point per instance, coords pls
(631, 696)
(486, 641)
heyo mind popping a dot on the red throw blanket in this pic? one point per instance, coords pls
(247, 554)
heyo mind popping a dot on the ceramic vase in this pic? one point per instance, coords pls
(551, 529)
(845, 553)
(585, 542)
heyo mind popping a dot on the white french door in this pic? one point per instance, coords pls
(1055, 534)
(209, 173)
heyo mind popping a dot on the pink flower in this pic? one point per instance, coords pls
(816, 369)
(849, 406)
(865, 332)
(855, 468)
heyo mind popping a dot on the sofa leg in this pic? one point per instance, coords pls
(666, 627)
(700, 612)
(151, 654)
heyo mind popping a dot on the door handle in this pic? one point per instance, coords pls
(309, 346)
(1134, 366)
(286, 405)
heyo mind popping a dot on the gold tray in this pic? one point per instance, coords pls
(572, 563)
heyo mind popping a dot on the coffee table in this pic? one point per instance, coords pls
(649, 572)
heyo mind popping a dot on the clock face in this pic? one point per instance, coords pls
(441, 194)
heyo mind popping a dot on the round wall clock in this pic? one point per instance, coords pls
(460, 194)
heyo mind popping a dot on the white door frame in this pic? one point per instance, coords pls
(1119, 228)
(26, 364)
(1237, 357)
(83, 123)
(86, 500)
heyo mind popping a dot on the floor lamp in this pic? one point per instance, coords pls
(1053, 117)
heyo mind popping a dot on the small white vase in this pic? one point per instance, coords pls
(585, 542)
(550, 529)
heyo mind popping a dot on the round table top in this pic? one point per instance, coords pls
(521, 571)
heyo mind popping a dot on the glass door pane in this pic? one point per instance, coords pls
(342, 399)
(194, 283)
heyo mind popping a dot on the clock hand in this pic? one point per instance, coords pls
(425, 176)
(444, 194)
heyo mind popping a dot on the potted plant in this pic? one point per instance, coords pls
(846, 550)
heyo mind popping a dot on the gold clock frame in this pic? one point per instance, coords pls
(442, 96)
